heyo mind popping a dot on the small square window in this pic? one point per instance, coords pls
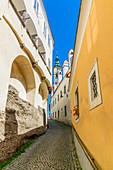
(94, 87)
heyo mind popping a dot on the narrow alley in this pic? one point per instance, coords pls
(54, 150)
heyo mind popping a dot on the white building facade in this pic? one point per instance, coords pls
(26, 49)
(60, 100)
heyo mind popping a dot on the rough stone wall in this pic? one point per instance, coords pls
(21, 124)
(27, 116)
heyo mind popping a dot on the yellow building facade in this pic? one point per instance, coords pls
(91, 82)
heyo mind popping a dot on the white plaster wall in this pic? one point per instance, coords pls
(18, 85)
(30, 96)
(10, 48)
(64, 101)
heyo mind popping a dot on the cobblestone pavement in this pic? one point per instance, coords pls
(53, 151)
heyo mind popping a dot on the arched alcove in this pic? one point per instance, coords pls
(22, 77)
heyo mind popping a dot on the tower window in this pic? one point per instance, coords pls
(57, 75)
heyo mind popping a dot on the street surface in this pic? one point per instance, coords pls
(52, 151)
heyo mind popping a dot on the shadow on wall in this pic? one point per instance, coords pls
(13, 140)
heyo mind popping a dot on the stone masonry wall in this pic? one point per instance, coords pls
(22, 122)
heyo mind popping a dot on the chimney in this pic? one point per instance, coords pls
(65, 67)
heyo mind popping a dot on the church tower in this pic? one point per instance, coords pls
(57, 69)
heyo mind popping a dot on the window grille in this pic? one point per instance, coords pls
(94, 86)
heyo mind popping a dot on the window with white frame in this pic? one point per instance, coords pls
(76, 107)
(94, 86)
(45, 29)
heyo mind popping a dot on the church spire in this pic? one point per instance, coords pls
(57, 60)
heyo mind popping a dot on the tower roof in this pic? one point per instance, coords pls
(57, 61)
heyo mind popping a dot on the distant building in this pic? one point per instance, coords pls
(91, 85)
(60, 99)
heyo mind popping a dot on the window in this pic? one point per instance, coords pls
(48, 40)
(94, 87)
(58, 113)
(58, 97)
(65, 89)
(55, 114)
(61, 94)
(77, 103)
(93, 81)
(36, 6)
(55, 100)
(45, 30)
(53, 103)
(56, 75)
(49, 63)
(65, 111)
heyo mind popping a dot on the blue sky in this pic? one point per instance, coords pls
(63, 19)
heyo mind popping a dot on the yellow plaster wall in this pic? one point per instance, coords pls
(95, 127)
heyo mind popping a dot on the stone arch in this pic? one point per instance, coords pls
(43, 90)
(22, 77)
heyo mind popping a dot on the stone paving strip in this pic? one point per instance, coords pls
(53, 151)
